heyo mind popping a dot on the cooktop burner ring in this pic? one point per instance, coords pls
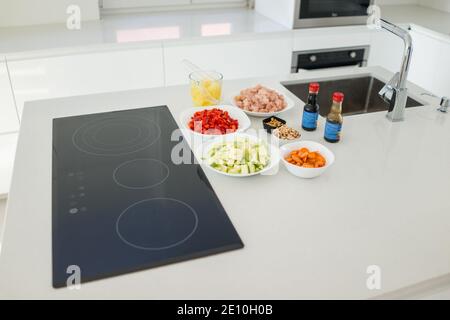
(99, 142)
(144, 133)
(141, 178)
(190, 226)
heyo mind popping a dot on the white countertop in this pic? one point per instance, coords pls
(154, 29)
(385, 202)
(427, 19)
(136, 29)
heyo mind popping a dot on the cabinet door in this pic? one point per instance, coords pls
(430, 63)
(9, 121)
(217, 1)
(386, 50)
(86, 74)
(116, 4)
(235, 59)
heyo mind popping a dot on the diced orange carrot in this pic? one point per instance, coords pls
(302, 154)
(296, 158)
(306, 159)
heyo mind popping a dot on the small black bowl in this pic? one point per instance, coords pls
(268, 127)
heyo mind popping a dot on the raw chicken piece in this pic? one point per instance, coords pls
(260, 99)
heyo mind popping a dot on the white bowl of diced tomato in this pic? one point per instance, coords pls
(214, 120)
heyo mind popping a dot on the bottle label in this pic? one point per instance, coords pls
(333, 131)
(310, 119)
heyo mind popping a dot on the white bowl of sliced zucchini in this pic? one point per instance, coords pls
(240, 155)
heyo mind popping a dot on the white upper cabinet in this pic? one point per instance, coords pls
(9, 121)
(81, 74)
(234, 59)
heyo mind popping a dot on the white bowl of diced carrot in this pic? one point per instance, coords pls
(306, 159)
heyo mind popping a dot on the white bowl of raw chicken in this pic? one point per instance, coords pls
(261, 101)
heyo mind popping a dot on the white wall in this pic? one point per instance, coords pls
(32, 12)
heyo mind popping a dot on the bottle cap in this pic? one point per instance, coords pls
(314, 87)
(338, 97)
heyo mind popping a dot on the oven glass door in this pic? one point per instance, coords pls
(312, 9)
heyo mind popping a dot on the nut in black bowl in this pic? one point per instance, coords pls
(272, 123)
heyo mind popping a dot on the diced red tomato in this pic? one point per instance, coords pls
(214, 121)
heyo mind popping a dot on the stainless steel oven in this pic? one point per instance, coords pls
(327, 13)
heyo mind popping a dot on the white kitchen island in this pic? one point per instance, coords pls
(385, 202)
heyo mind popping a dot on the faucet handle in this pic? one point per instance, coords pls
(388, 92)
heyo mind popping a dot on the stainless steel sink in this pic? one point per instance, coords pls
(361, 95)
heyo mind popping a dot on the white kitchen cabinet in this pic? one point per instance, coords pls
(9, 121)
(234, 59)
(120, 4)
(217, 1)
(430, 63)
(386, 50)
(80, 74)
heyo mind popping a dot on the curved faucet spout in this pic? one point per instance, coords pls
(395, 91)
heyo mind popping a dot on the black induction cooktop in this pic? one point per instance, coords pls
(120, 204)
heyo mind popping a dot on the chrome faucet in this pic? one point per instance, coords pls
(395, 92)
